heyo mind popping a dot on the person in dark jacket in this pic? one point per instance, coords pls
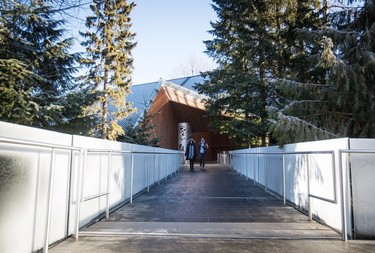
(190, 153)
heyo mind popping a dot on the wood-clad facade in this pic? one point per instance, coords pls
(173, 105)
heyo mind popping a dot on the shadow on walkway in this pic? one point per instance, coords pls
(211, 210)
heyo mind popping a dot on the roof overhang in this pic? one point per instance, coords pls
(170, 92)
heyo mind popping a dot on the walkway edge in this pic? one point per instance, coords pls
(253, 230)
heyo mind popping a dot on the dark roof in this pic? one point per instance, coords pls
(143, 95)
(188, 82)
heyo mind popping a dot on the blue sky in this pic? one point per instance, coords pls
(169, 32)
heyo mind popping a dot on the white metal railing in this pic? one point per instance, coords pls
(156, 155)
(82, 174)
(223, 158)
(345, 185)
(283, 154)
(53, 148)
(231, 160)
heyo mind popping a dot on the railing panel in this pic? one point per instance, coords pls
(47, 188)
(303, 174)
(334, 186)
(31, 197)
(362, 178)
(296, 180)
(274, 163)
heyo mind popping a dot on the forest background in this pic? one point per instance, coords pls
(287, 71)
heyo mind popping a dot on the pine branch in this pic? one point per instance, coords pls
(282, 81)
(297, 121)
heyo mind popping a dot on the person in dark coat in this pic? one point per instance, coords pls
(190, 153)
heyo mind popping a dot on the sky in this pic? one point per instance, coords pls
(169, 33)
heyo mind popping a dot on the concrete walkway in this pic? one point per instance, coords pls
(211, 210)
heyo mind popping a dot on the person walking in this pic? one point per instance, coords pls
(203, 146)
(190, 153)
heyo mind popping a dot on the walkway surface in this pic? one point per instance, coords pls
(211, 210)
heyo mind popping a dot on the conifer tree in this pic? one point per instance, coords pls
(109, 42)
(35, 65)
(250, 47)
(348, 57)
(142, 132)
(301, 54)
(232, 104)
(341, 104)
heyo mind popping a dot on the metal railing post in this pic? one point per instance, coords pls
(231, 167)
(232, 162)
(84, 177)
(247, 161)
(254, 168)
(148, 173)
(131, 178)
(108, 184)
(265, 173)
(284, 181)
(169, 168)
(245, 167)
(81, 169)
(258, 167)
(343, 200)
(49, 201)
(158, 165)
(241, 162)
(308, 186)
(334, 176)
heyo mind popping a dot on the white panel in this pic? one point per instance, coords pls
(328, 212)
(363, 178)
(24, 196)
(33, 134)
(25, 175)
(18, 172)
(324, 179)
(96, 176)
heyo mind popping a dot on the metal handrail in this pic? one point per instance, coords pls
(53, 147)
(81, 168)
(37, 144)
(343, 183)
(344, 186)
(284, 173)
(308, 172)
(111, 151)
(107, 193)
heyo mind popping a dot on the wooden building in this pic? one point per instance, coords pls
(173, 102)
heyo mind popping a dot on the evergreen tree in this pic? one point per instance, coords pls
(141, 133)
(340, 103)
(300, 84)
(234, 89)
(76, 109)
(350, 65)
(108, 50)
(251, 47)
(35, 65)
